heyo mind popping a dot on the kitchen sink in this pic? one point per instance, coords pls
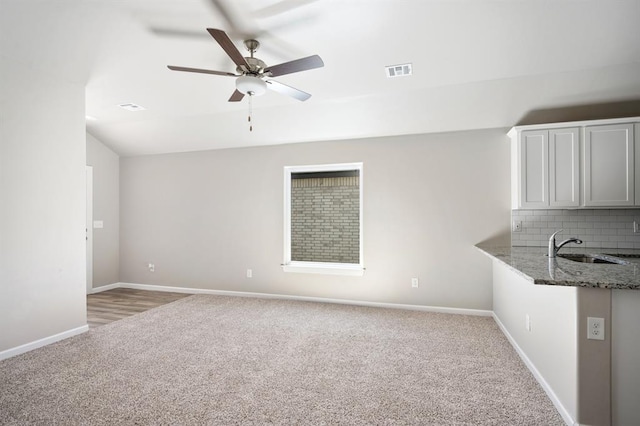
(594, 258)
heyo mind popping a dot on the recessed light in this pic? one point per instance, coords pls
(400, 70)
(131, 107)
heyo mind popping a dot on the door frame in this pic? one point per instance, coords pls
(89, 228)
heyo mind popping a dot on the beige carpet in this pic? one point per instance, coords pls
(231, 360)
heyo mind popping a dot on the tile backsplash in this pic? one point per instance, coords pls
(606, 228)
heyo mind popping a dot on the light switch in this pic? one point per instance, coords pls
(98, 224)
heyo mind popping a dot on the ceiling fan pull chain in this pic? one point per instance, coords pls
(249, 118)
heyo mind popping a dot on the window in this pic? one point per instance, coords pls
(323, 219)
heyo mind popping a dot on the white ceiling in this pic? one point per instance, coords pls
(476, 63)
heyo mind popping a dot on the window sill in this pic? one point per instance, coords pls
(324, 268)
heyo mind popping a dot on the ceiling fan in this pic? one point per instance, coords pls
(253, 74)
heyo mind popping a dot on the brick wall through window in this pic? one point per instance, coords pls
(325, 219)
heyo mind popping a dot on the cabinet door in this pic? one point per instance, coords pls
(564, 167)
(534, 169)
(609, 165)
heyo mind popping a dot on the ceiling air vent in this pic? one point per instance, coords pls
(401, 70)
(131, 107)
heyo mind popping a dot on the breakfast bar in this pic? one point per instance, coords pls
(545, 305)
(533, 264)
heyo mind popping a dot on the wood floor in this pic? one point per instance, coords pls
(113, 305)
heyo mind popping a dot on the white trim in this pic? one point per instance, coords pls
(321, 267)
(89, 227)
(439, 309)
(102, 288)
(70, 333)
(352, 269)
(42, 342)
(543, 383)
(546, 126)
(336, 167)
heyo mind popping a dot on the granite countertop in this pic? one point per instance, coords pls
(534, 265)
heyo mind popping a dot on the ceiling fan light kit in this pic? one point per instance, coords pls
(251, 85)
(252, 72)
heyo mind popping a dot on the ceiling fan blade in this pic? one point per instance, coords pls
(179, 33)
(287, 90)
(236, 96)
(308, 63)
(281, 7)
(232, 24)
(227, 45)
(226, 74)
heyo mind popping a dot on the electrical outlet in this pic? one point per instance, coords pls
(152, 267)
(517, 226)
(527, 322)
(249, 273)
(636, 227)
(415, 283)
(595, 328)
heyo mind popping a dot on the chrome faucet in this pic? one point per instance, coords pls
(553, 248)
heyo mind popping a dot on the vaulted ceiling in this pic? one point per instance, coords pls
(476, 64)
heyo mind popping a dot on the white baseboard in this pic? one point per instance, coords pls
(42, 342)
(104, 288)
(543, 383)
(458, 311)
(51, 339)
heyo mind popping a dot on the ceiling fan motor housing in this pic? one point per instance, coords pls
(256, 67)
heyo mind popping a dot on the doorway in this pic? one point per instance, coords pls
(89, 228)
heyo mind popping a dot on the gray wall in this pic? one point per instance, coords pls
(42, 202)
(203, 218)
(106, 207)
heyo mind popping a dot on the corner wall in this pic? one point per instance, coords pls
(551, 343)
(204, 218)
(625, 356)
(42, 199)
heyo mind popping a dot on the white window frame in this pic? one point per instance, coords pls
(289, 265)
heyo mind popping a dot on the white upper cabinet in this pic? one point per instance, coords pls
(534, 166)
(548, 175)
(575, 165)
(609, 178)
(564, 167)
